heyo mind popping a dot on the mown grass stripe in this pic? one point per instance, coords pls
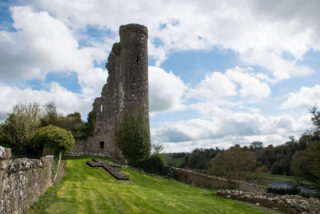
(90, 190)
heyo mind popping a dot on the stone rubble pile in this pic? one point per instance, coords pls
(288, 203)
(112, 168)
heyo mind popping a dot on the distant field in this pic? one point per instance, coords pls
(87, 190)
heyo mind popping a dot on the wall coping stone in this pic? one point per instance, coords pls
(5, 153)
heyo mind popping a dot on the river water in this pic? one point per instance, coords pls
(288, 185)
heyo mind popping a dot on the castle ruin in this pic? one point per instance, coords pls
(126, 92)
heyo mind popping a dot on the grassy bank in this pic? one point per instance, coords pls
(88, 190)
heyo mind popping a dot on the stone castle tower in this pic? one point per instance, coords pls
(126, 92)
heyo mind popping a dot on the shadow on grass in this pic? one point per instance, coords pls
(51, 195)
(46, 199)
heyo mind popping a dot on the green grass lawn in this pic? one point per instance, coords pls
(88, 190)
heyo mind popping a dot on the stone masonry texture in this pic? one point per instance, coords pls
(287, 203)
(126, 92)
(22, 181)
(209, 181)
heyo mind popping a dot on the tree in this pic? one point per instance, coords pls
(53, 137)
(315, 117)
(256, 145)
(233, 163)
(90, 125)
(51, 116)
(15, 132)
(71, 121)
(199, 158)
(306, 164)
(157, 148)
(277, 159)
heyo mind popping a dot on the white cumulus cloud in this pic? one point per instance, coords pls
(249, 84)
(166, 90)
(237, 81)
(306, 97)
(212, 86)
(42, 44)
(260, 32)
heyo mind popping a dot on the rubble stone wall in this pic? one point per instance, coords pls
(208, 181)
(22, 181)
(287, 203)
(126, 92)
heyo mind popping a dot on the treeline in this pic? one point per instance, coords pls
(276, 159)
(23, 121)
(270, 159)
(199, 159)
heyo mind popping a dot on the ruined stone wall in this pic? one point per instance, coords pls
(126, 92)
(287, 203)
(134, 65)
(22, 181)
(208, 181)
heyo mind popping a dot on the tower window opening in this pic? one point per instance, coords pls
(101, 108)
(101, 144)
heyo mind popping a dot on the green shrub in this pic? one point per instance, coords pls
(53, 137)
(153, 164)
(134, 138)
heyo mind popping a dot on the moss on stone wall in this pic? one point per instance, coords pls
(134, 138)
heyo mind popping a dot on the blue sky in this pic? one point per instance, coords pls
(227, 72)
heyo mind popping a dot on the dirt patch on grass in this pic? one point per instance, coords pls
(61, 172)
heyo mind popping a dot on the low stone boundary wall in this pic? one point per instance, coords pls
(22, 181)
(208, 181)
(288, 203)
